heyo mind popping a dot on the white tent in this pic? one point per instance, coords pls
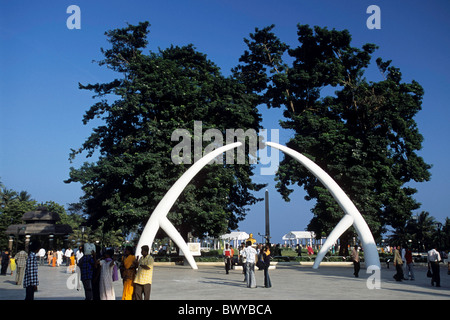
(235, 236)
(299, 235)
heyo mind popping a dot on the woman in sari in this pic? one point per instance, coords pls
(128, 271)
(107, 276)
(72, 263)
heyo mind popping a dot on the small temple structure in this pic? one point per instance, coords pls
(40, 224)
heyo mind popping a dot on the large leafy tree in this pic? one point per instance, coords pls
(420, 229)
(364, 135)
(153, 95)
(13, 205)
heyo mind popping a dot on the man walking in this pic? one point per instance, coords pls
(21, 261)
(433, 259)
(30, 281)
(41, 256)
(409, 264)
(86, 264)
(227, 258)
(5, 262)
(67, 255)
(398, 263)
(356, 261)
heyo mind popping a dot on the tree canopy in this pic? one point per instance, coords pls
(153, 95)
(364, 135)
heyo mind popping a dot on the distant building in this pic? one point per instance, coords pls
(40, 224)
(298, 237)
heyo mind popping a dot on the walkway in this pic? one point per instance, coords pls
(290, 282)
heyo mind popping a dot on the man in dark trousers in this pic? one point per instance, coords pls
(356, 261)
(30, 279)
(87, 264)
(433, 258)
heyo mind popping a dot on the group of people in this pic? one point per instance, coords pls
(15, 262)
(404, 264)
(98, 275)
(249, 257)
(54, 257)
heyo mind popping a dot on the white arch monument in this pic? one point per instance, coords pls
(352, 216)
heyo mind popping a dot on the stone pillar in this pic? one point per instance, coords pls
(51, 241)
(27, 242)
(10, 243)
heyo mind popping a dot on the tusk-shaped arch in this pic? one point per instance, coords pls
(343, 225)
(370, 249)
(159, 215)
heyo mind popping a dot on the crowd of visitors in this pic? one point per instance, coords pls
(98, 275)
(249, 257)
(404, 263)
(97, 270)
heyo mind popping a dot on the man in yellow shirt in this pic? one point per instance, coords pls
(144, 275)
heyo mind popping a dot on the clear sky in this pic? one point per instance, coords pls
(42, 62)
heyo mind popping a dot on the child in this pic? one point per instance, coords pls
(12, 265)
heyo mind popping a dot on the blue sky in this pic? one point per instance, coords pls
(42, 62)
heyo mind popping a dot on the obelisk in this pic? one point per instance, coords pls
(267, 217)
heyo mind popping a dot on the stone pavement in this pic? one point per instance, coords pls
(290, 282)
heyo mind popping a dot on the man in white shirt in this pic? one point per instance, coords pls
(41, 255)
(433, 258)
(243, 260)
(250, 255)
(67, 255)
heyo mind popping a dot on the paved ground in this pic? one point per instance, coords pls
(290, 282)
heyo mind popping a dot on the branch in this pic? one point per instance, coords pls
(278, 71)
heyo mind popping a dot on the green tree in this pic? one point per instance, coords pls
(12, 207)
(24, 196)
(420, 229)
(73, 216)
(364, 135)
(7, 197)
(446, 234)
(153, 95)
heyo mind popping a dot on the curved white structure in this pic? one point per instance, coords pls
(352, 215)
(159, 215)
